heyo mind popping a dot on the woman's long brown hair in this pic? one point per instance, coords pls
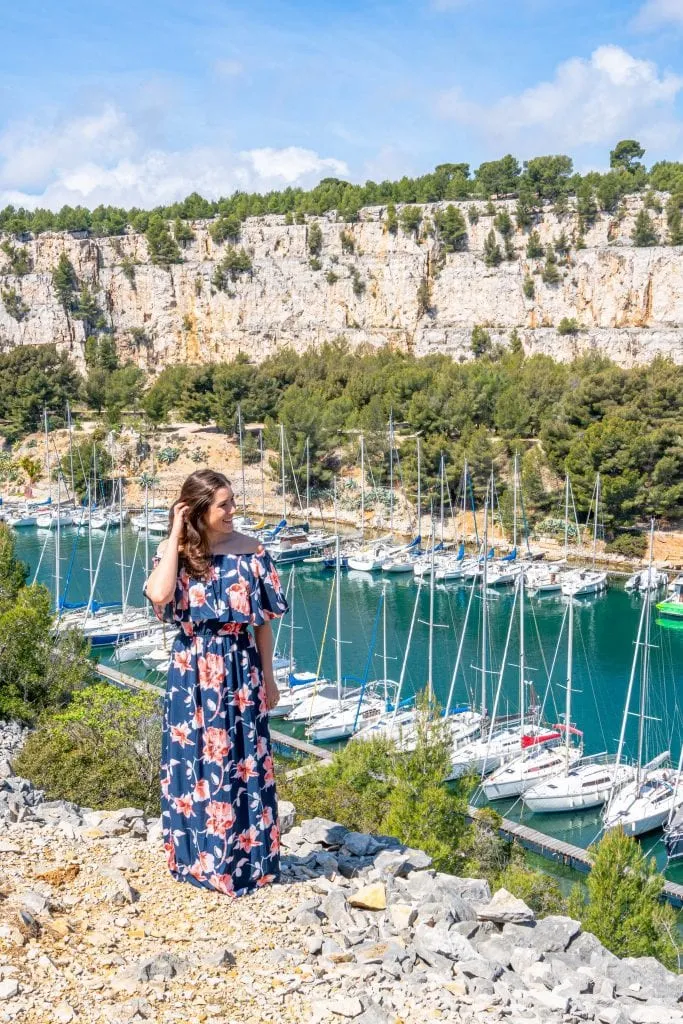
(197, 492)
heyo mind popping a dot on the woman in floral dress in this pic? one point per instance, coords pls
(219, 807)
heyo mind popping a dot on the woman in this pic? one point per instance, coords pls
(219, 808)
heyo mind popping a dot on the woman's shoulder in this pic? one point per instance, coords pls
(243, 544)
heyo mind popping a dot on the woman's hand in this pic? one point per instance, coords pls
(179, 513)
(272, 693)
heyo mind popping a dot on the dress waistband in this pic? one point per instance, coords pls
(214, 627)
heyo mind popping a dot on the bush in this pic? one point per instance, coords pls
(492, 254)
(315, 239)
(411, 218)
(347, 243)
(528, 287)
(568, 326)
(357, 283)
(480, 344)
(631, 545)
(163, 248)
(551, 274)
(473, 215)
(234, 263)
(331, 277)
(644, 232)
(534, 248)
(424, 297)
(452, 229)
(391, 219)
(102, 751)
(226, 228)
(14, 304)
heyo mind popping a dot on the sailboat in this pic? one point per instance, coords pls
(673, 830)
(653, 796)
(353, 712)
(543, 756)
(581, 582)
(404, 562)
(582, 785)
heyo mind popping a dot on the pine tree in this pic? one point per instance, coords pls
(392, 219)
(534, 248)
(452, 229)
(64, 281)
(551, 274)
(163, 249)
(644, 232)
(315, 239)
(503, 222)
(674, 220)
(492, 254)
(623, 909)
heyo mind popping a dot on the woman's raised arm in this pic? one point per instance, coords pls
(161, 582)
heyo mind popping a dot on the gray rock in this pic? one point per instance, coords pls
(480, 968)
(9, 988)
(504, 907)
(34, 902)
(163, 965)
(351, 867)
(447, 942)
(495, 949)
(554, 933)
(653, 1014)
(520, 934)
(349, 1006)
(359, 844)
(286, 815)
(522, 957)
(219, 957)
(323, 832)
(589, 950)
(374, 1014)
(539, 973)
(314, 943)
(611, 1015)
(542, 997)
(126, 891)
(436, 960)
(400, 863)
(380, 952)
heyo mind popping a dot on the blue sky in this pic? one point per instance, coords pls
(141, 103)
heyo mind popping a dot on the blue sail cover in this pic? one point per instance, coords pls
(461, 553)
(94, 607)
(511, 557)
(270, 534)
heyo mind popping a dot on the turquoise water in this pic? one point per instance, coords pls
(605, 631)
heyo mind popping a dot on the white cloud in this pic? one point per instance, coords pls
(105, 158)
(655, 13)
(598, 100)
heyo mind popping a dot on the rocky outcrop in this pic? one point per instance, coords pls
(361, 928)
(628, 301)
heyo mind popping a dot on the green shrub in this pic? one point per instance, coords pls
(568, 325)
(347, 242)
(644, 232)
(632, 545)
(315, 239)
(331, 277)
(391, 219)
(534, 248)
(14, 304)
(473, 215)
(480, 343)
(411, 218)
(551, 274)
(492, 254)
(528, 287)
(102, 751)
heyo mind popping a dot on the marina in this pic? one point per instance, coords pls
(606, 625)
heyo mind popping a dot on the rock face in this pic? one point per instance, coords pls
(628, 301)
(93, 929)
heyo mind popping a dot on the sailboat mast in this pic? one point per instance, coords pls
(566, 517)
(146, 527)
(282, 462)
(47, 453)
(384, 639)
(484, 614)
(121, 544)
(362, 485)
(595, 517)
(522, 653)
(90, 562)
(263, 481)
(430, 655)
(71, 450)
(391, 473)
(514, 503)
(338, 615)
(308, 474)
(570, 672)
(241, 439)
(645, 663)
(419, 488)
(57, 543)
(441, 483)
(291, 621)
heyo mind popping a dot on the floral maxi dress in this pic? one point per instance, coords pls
(219, 806)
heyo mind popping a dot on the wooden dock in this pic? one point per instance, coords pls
(575, 857)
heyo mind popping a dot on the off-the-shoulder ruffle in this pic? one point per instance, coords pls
(243, 589)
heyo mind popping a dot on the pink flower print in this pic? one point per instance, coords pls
(181, 733)
(201, 791)
(238, 597)
(223, 883)
(266, 818)
(216, 745)
(265, 880)
(197, 595)
(183, 804)
(261, 747)
(165, 782)
(274, 840)
(169, 850)
(183, 578)
(242, 698)
(197, 720)
(230, 629)
(262, 701)
(255, 676)
(187, 628)
(206, 862)
(245, 769)
(248, 839)
(211, 671)
(256, 567)
(182, 660)
(269, 769)
(213, 574)
(274, 579)
(220, 817)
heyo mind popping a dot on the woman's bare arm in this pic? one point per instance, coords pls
(161, 583)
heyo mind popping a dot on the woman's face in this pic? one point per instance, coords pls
(218, 518)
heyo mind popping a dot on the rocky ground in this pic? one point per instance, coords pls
(93, 929)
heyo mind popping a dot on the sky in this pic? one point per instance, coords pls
(140, 103)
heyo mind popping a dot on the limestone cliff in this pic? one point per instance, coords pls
(628, 301)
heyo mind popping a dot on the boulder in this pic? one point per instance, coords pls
(370, 897)
(504, 908)
(323, 832)
(554, 933)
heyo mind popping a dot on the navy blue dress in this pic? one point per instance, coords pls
(219, 806)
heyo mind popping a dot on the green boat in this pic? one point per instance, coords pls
(672, 608)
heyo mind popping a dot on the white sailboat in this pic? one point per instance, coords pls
(582, 582)
(653, 796)
(581, 785)
(673, 830)
(646, 580)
